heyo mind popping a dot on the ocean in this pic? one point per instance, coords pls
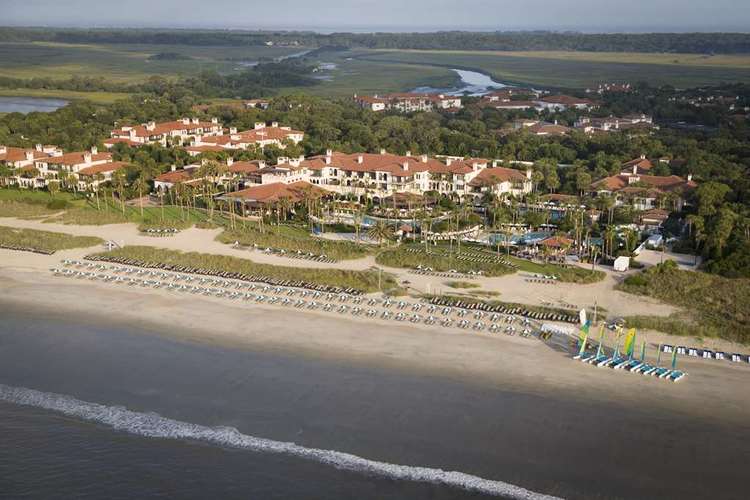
(95, 409)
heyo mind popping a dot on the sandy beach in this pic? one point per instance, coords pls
(512, 363)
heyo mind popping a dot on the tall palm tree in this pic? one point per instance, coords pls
(380, 231)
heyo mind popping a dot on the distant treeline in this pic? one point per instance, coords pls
(701, 43)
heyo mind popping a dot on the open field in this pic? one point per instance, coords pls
(123, 63)
(359, 76)
(69, 95)
(575, 69)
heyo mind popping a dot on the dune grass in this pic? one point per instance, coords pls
(292, 239)
(366, 281)
(461, 284)
(45, 241)
(718, 306)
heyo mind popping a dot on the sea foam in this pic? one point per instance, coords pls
(156, 426)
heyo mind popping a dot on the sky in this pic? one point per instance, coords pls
(387, 15)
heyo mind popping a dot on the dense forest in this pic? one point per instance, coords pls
(698, 43)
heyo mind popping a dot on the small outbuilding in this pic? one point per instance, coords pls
(622, 264)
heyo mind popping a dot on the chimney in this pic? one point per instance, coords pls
(690, 177)
(87, 157)
(94, 150)
(643, 157)
(275, 124)
(29, 156)
(259, 125)
(360, 159)
(424, 158)
(230, 161)
(555, 122)
(635, 169)
(382, 151)
(406, 166)
(150, 125)
(528, 173)
(185, 121)
(329, 153)
(232, 130)
(174, 168)
(39, 147)
(448, 161)
(3, 150)
(215, 121)
(328, 160)
(408, 153)
(195, 121)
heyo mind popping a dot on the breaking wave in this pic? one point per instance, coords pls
(154, 425)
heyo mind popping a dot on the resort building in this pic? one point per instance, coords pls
(268, 194)
(642, 191)
(176, 132)
(611, 124)
(93, 177)
(56, 165)
(380, 175)
(563, 102)
(409, 102)
(260, 137)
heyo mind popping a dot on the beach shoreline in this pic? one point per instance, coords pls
(511, 363)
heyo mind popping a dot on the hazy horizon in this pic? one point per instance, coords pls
(587, 16)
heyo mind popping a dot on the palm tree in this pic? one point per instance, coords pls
(610, 234)
(142, 186)
(119, 179)
(380, 231)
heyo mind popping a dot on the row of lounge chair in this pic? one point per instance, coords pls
(428, 271)
(695, 352)
(294, 254)
(153, 231)
(541, 281)
(19, 248)
(284, 296)
(519, 311)
(224, 274)
(631, 365)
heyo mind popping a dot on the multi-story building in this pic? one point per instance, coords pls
(409, 102)
(563, 102)
(176, 132)
(610, 124)
(381, 175)
(261, 136)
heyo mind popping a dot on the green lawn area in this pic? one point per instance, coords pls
(292, 239)
(126, 63)
(44, 240)
(569, 274)
(576, 69)
(366, 281)
(440, 259)
(717, 306)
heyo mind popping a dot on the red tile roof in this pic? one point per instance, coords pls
(269, 193)
(76, 158)
(19, 154)
(104, 167)
(496, 175)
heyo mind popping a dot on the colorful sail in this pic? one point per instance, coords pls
(674, 358)
(643, 351)
(629, 343)
(583, 335)
(583, 344)
(601, 340)
(658, 356)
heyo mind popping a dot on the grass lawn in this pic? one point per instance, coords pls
(366, 281)
(44, 240)
(293, 239)
(718, 306)
(440, 260)
(577, 69)
(125, 63)
(570, 274)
